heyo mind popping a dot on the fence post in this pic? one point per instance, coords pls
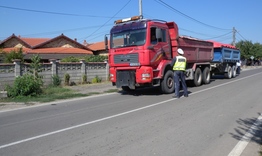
(18, 69)
(83, 67)
(54, 67)
(107, 70)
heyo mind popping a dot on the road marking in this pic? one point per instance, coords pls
(113, 116)
(242, 144)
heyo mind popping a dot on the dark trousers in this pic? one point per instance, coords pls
(179, 75)
(238, 69)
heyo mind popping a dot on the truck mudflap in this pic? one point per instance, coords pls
(125, 79)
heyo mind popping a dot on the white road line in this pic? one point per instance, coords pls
(113, 116)
(241, 145)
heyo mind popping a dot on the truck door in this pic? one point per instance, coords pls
(160, 41)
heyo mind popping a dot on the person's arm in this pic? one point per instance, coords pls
(173, 62)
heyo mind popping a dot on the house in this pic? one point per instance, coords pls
(98, 48)
(54, 48)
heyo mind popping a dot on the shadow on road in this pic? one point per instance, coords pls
(243, 128)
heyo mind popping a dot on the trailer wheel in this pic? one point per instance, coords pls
(198, 77)
(206, 75)
(168, 84)
(228, 74)
(234, 71)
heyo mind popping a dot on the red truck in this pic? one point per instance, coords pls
(141, 50)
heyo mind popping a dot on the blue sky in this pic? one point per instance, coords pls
(90, 20)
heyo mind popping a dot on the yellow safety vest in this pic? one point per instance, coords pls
(180, 63)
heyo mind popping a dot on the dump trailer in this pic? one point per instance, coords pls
(225, 58)
(141, 51)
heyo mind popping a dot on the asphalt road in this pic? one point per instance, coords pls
(210, 122)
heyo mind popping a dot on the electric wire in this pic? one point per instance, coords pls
(108, 20)
(55, 13)
(173, 9)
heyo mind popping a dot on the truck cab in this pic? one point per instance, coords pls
(138, 50)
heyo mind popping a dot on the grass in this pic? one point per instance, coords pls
(49, 94)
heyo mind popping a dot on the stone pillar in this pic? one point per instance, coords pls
(83, 71)
(54, 67)
(18, 69)
(107, 70)
(83, 67)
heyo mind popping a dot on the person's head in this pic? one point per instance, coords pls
(180, 51)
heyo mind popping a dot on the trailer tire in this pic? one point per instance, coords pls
(167, 83)
(234, 71)
(206, 76)
(229, 72)
(197, 77)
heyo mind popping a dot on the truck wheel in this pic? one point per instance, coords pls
(206, 75)
(228, 74)
(234, 71)
(168, 84)
(198, 77)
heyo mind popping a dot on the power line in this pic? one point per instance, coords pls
(66, 30)
(241, 36)
(108, 20)
(219, 36)
(170, 7)
(56, 13)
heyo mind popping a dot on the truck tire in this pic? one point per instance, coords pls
(228, 74)
(168, 84)
(197, 77)
(206, 75)
(234, 71)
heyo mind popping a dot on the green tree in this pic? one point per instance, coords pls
(14, 54)
(249, 49)
(35, 66)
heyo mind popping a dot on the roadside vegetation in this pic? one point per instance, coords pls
(252, 52)
(30, 88)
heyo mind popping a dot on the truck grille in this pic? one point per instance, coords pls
(128, 58)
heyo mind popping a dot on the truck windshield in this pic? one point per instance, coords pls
(128, 38)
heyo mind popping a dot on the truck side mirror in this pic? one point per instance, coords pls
(106, 42)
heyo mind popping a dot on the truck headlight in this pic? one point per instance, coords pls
(111, 76)
(146, 76)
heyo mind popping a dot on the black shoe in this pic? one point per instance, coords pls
(185, 95)
(175, 96)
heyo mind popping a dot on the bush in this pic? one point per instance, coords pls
(67, 79)
(96, 79)
(70, 59)
(84, 79)
(56, 81)
(89, 58)
(14, 54)
(25, 85)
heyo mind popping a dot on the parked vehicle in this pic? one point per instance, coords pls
(141, 50)
(225, 60)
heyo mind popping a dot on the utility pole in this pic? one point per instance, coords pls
(140, 8)
(234, 37)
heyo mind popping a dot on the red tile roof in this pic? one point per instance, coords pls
(97, 46)
(59, 50)
(34, 41)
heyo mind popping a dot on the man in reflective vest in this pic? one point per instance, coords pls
(179, 67)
